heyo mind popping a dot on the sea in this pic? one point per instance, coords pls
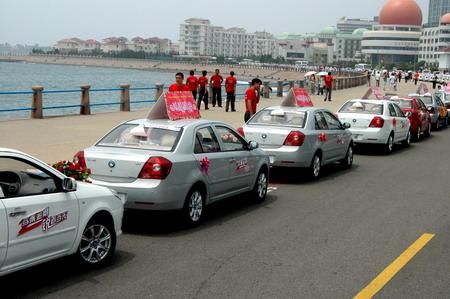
(21, 76)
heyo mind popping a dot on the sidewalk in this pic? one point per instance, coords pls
(59, 138)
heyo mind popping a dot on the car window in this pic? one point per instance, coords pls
(398, 111)
(421, 104)
(21, 178)
(404, 103)
(362, 107)
(392, 110)
(321, 123)
(332, 122)
(279, 118)
(439, 102)
(206, 141)
(428, 100)
(230, 140)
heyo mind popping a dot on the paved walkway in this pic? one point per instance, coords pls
(59, 138)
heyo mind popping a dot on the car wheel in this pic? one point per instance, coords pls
(347, 162)
(260, 188)
(417, 136)
(315, 167)
(435, 126)
(194, 207)
(389, 146)
(98, 243)
(407, 141)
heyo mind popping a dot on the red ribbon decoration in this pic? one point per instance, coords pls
(394, 122)
(323, 137)
(204, 164)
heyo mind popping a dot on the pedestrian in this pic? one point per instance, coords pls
(192, 83)
(393, 81)
(312, 84)
(203, 90)
(416, 77)
(385, 79)
(216, 81)
(434, 81)
(179, 84)
(328, 86)
(321, 85)
(399, 75)
(377, 78)
(368, 78)
(230, 88)
(252, 98)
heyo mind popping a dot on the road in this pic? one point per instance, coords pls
(323, 239)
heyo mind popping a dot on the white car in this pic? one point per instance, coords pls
(45, 215)
(376, 122)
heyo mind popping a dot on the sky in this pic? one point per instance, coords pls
(46, 21)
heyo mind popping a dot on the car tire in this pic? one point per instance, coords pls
(98, 243)
(427, 133)
(315, 168)
(407, 141)
(194, 207)
(389, 146)
(259, 191)
(347, 162)
(435, 126)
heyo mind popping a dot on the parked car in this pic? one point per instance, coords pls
(376, 122)
(437, 109)
(177, 165)
(305, 137)
(420, 118)
(445, 98)
(45, 215)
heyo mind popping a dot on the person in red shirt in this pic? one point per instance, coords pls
(192, 83)
(216, 82)
(230, 87)
(328, 80)
(179, 85)
(203, 90)
(252, 98)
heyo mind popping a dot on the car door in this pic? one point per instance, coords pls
(325, 140)
(403, 123)
(42, 218)
(215, 165)
(423, 115)
(242, 164)
(3, 230)
(336, 134)
(392, 118)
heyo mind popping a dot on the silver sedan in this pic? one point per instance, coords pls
(306, 137)
(177, 165)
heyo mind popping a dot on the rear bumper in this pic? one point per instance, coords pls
(287, 156)
(370, 135)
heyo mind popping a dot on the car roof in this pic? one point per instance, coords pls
(293, 108)
(10, 150)
(182, 123)
(370, 101)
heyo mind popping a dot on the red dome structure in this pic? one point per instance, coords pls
(445, 20)
(401, 12)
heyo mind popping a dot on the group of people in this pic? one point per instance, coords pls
(391, 78)
(199, 88)
(321, 85)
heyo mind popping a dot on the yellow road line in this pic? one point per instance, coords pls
(384, 277)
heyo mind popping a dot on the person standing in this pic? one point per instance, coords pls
(192, 83)
(368, 78)
(377, 78)
(203, 90)
(252, 98)
(393, 81)
(416, 77)
(399, 77)
(179, 84)
(312, 82)
(230, 88)
(216, 81)
(434, 81)
(328, 86)
(385, 79)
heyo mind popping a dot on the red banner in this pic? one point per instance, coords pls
(302, 97)
(181, 105)
(447, 88)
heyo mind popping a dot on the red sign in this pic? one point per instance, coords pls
(302, 97)
(181, 105)
(447, 88)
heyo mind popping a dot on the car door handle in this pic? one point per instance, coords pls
(17, 213)
(232, 160)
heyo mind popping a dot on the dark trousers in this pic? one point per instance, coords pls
(231, 99)
(194, 94)
(328, 93)
(217, 96)
(415, 81)
(202, 96)
(247, 116)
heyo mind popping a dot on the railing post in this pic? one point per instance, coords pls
(125, 97)
(335, 84)
(159, 90)
(210, 93)
(266, 93)
(280, 89)
(36, 104)
(85, 105)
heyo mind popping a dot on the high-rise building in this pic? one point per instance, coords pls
(436, 10)
(348, 26)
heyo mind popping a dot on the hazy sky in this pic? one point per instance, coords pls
(46, 21)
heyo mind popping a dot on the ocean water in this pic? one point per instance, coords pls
(20, 76)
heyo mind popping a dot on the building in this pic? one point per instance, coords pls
(433, 41)
(153, 45)
(437, 8)
(347, 47)
(114, 44)
(397, 37)
(68, 45)
(348, 26)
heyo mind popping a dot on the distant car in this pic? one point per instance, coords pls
(44, 215)
(437, 109)
(305, 137)
(420, 118)
(177, 165)
(445, 98)
(376, 122)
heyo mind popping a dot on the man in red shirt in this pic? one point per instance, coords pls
(192, 83)
(179, 85)
(252, 99)
(230, 87)
(216, 81)
(203, 91)
(328, 86)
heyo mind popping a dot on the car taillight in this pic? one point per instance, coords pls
(157, 168)
(295, 138)
(448, 106)
(377, 122)
(79, 158)
(241, 132)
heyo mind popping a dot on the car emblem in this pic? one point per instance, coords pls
(111, 164)
(264, 136)
(354, 120)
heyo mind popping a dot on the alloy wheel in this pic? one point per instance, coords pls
(195, 206)
(316, 166)
(262, 185)
(95, 243)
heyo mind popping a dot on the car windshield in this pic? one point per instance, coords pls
(403, 103)
(426, 99)
(279, 118)
(362, 107)
(142, 137)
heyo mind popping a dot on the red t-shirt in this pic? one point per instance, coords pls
(176, 87)
(203, 81)
(192, 83)
(216, 81)
(230, 84)
(328, 81)
(252, 97)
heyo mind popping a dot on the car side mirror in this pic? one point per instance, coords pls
(252, 145)
(69, 185)
(429, 108)
(408, 114)
(346, 125)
